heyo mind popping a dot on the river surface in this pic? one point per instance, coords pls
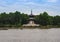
(30, 35)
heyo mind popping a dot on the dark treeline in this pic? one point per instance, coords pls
(18, 19)
(13, 19)
(44, 19)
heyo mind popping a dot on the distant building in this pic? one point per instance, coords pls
(31, 20)
(31, 16)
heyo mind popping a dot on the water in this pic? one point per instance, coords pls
(30, 35)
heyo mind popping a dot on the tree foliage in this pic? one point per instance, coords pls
(11, 18)
(18, 18)
(44, 19)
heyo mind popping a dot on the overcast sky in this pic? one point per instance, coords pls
(25, 6)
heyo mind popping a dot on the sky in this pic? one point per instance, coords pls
(52, 7)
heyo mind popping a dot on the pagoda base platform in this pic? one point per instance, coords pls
(31, 25)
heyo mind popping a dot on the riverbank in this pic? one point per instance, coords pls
(27, 27)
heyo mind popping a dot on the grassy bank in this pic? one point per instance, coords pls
(42, 27)
(27, 27)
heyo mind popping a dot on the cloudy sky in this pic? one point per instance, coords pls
(25, 6)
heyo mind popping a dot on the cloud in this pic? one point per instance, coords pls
(25, 6)
(52, 0)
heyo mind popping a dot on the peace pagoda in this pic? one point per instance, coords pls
(31, 21)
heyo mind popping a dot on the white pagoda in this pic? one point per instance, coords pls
(31, 21)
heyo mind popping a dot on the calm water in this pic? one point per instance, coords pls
(30, 35)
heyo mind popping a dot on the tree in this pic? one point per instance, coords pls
(43, 19)
(56, 20)
(24, 18)
(3, 18)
